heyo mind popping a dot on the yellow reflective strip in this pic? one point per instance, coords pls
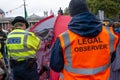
(20, 58)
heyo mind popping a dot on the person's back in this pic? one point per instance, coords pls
(22, 46)
(84, 51)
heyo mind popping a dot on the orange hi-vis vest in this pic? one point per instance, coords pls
(87, 58)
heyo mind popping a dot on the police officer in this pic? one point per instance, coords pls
(83, 52)
(22, 46)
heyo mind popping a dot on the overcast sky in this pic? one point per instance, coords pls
(14, 8)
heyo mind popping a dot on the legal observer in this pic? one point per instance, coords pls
(97, 44)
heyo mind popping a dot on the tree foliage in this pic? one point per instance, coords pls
(111, 8)
(66, 11)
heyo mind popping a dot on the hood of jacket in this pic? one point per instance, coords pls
(85, 24)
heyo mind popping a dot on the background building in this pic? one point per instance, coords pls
(32, 19)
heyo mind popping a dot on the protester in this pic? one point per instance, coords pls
(116, 27)
(115, 67)
(3, 55)
(40, 61)
(22, 46)
(3, 37)
(43, 55)
(3, 71)
(83, 52)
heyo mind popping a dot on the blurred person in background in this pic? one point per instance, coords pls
(3, 37)
(3, 55)
(115, 67)
(116, 28)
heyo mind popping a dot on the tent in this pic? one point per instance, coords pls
(47, 30)
(61, 24)
(57, 23)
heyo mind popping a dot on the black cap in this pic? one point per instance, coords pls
(77, 7)
(20, 19)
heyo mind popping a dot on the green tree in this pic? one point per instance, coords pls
(110, 7)
(66, 11)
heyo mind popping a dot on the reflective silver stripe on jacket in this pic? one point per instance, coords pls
(85, 71)
(112, 38)
(22, 57)
(61, 76)
(25, 49)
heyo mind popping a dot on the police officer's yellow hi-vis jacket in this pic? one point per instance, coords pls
(0, 51)
(87, 58)
(22, 45)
